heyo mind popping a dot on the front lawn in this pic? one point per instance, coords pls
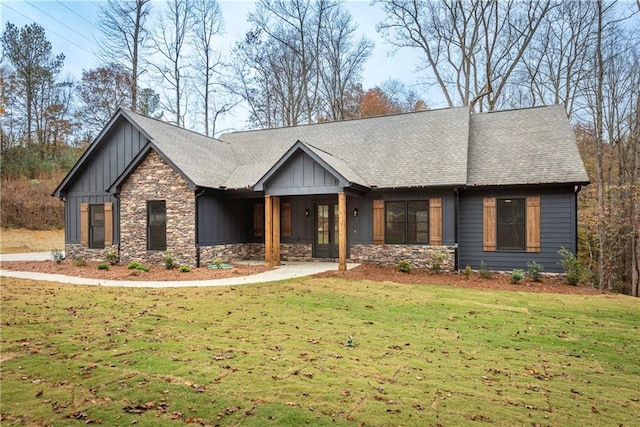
(321, 351)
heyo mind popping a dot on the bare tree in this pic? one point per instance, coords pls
(207, 63)
(301, 62)
(472, 48)
(169, 41)
(559, 56)
(341, 60)
(123, 25)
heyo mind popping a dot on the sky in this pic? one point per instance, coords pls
(72, 29)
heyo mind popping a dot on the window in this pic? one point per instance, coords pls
(407, 222)
(156, 225)
(510, 224)
(96, 226)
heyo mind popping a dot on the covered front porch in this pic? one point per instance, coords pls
(330, 239)
(323, 183)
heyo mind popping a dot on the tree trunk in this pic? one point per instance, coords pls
(599, 153)
(635, 243)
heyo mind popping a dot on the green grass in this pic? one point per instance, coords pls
(277, 354)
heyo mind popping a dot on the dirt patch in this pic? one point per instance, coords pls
(498, 281)
(18, 240)
(121, 272)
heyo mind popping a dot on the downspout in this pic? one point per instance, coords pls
(199, 192)
(456, 266)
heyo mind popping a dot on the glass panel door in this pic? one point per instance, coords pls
(326, 235)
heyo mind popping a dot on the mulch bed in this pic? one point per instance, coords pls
(549, 284)
(120, 271)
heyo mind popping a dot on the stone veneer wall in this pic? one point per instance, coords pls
(76, 250)
(253, 251)
(154, 179)
(418, 256)
(231, 252)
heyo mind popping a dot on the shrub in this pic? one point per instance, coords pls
(137, 266)
(484, 272)
(103, 266)
(573, 270)
(110, 255)
(57, 256)
(403, 266)
(184, 269)
(516, 276)
(79, 262)
(169, 261)
(535, 271)
(437, 261)
(467, 272)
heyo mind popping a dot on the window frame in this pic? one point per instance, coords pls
(153, 247)
(409, 233)
(92, 210)
(522, 225)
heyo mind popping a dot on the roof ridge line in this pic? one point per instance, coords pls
(128, 111)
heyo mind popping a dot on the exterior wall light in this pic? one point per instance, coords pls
(355, 212)
(306, 212)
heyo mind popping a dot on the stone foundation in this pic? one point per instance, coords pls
(296, 252)
(419, 256)
(154, 179)
(73, 251)
(253, 251)
(232, 252)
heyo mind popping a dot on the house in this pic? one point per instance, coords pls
(499, 188)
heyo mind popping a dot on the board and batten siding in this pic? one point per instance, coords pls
(557, 229)
(109, 160)
(302, 175)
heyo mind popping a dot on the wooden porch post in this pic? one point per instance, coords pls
(276, 230)
(268, 231)
(342, 231)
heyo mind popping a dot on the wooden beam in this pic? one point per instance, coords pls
(276, 230)
(268, 231)
(342, 231)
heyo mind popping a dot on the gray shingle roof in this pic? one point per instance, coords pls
(404, 150)
(208, 162)
(448, 147)
(527, 146)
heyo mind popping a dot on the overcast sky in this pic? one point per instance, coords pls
(72, 29)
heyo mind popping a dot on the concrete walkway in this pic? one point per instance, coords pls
(288, 270)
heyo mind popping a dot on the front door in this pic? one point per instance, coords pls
(326, 233)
